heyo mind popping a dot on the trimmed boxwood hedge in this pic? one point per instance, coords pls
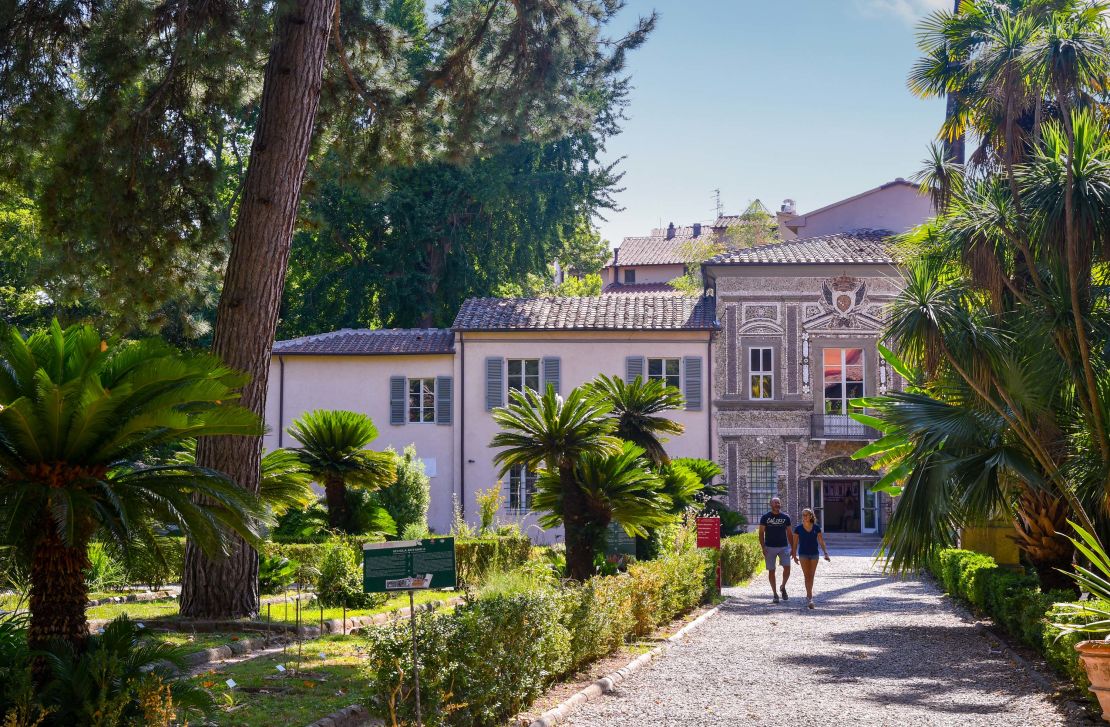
(492, 658)
(1015, 602)
(741, 558)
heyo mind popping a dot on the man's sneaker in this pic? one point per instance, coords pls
(784, 596)
(809, 603)
(776, 598)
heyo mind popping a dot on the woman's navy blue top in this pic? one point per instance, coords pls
(807, 541)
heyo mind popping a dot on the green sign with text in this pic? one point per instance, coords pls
(408, 565)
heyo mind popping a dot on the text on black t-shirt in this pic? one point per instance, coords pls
(774, 529)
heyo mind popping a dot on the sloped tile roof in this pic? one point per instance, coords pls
(367, 342)
(860, 246)
(639, 289)
(656, 249)
(601, 313)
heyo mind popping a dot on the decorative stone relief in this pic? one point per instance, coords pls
(882, 375)
(806, 388)
(843, 297)
(752, 312)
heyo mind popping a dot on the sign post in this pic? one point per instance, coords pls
(409, 565)
(709, 536)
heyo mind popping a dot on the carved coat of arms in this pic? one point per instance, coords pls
(843, 296)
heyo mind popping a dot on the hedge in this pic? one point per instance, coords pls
(475, 558)
(492, 658)
(1015, 602)
(741, 558)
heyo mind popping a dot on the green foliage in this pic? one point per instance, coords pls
(637, 408)
(365, 514)
(275, 574)
(477, 558)
(1042, 621)
(489, 503)
(491, 658)
(160, 562)
(416, 531)
(407, 498)
(105, 572)
(340, 581)
(311, 554)
(741, 558)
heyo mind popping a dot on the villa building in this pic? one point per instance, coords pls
(767, 359)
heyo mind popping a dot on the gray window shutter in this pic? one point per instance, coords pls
(397, 396)
(550, 373)
(633, 367)
(444, 391)
(692, 383)
(495, 382)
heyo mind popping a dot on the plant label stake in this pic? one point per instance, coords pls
(344, 619)
(409, 565)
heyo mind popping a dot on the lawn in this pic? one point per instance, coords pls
(194, 642)
(264, 696)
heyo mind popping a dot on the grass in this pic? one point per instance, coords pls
(263, 696)
(191, 643)
(277, 611)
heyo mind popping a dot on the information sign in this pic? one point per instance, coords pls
(709, 532)
(618, 542)
(408, 565)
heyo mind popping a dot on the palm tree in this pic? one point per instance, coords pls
(618, 488)
(636, 407)
(78, 417)
(552, 434)
(333, 447)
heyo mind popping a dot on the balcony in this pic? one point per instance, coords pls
(840, 427)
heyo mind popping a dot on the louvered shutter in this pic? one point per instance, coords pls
(495, 382)
(397, 393)
(692, 383)
(551, 373)
(633, 367)
(444, 391)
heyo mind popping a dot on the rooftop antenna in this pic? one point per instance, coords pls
(717, 196)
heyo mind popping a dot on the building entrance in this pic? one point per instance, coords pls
(845, 506)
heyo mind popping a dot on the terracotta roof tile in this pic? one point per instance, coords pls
(368, 342)
(602, 313)
(860, 246)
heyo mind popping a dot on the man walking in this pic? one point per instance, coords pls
(775, 537)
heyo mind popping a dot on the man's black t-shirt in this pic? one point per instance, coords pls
(774, 529)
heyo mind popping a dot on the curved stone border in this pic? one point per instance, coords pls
(608, 683)
(143, 597)
(228, 650)
(354, 716)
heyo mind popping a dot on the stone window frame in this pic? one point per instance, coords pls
(747, 343)
(817, 346)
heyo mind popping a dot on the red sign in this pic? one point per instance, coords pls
(709, 532)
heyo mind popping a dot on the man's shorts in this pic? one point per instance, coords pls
(782, 554)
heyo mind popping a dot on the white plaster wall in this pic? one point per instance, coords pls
(583, 356)
(361, 383)
(654, 273)
(896, 208)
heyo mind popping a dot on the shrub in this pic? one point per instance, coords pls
(157, 565)
(490, 659)
(741, 558)
(1015, 602)
(489, 502)
(407, 499)
(475, 558)
(275, 574)
(340, 580)
(104, 571)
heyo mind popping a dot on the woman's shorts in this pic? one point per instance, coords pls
(809, 557)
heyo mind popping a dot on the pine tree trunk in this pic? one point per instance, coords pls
(249, 304)
(59, 595)
(580, 547)
(954, 147)
(335, 491)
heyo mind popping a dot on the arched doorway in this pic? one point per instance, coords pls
(841, 496)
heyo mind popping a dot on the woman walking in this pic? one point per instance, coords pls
(805, 552)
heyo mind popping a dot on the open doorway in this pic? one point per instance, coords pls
(841, 505)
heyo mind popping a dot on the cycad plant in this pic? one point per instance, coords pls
(637, 407)
(79, 418)
(333, 448)
(553, 434)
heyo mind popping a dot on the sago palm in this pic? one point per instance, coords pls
(636, 407)
(333, 447)
(79, 416)
(552, 433)
(618, 488)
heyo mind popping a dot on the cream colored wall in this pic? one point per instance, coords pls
(583, 355)
(361, 383)
(896, 208)
(644, 273)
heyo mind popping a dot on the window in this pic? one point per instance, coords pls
(665, 370)
(422, 400)
(843, 378)
(629, 276)
(524, 373)
(522, 485)
(761, 375)
(762, 486)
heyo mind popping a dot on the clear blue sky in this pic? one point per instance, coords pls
(779, 98)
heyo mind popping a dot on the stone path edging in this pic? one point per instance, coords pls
(353, 716)
(608, 683)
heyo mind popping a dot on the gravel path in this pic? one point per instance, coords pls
(876, 651)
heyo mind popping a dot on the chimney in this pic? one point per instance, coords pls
(670, 231)
(788, 207)
(697, 229)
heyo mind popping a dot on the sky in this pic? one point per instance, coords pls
(803, 99)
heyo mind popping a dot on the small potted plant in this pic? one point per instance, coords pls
(1090, 617)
